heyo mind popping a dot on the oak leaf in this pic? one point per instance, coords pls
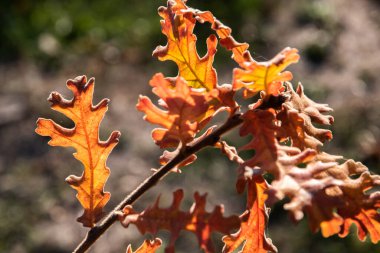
(240, 51)
(282, 161)
(181, 47)
(178, 25)
(254, 222)
(310, 111)
(269, 155)
(350, 202)
(185, 110)
(302, 135)
(302, 187)
(197, 220)
(266, 76)
(84, 137)
(334, 197)
(147, 247)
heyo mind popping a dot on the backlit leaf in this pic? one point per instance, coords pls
(240, 51)
(184, 111)
(84, 137)
(282, 162)
(181, 48)
(178, 25)
(333, 197)
(197, 220)
(265, 76)
(254, 222)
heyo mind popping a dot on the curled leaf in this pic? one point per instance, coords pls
(283, 162)
(310, 111)
(229, 151)
(333, 195)
(302, 135)
(269, 155)
(84, 137)
(349, 203)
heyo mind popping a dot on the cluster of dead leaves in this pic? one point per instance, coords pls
(334, 193)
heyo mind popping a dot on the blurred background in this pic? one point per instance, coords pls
(44, 43)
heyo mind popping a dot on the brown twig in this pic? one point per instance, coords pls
(209, 140)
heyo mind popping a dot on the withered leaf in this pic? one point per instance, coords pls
(332, 199)
(348, 203)
(310, 112)
(84, 137)
(262, 126)
(302, 135)
(282, 162)
(197, 220)
(332, 195)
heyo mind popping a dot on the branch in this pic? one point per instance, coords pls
(95, 232)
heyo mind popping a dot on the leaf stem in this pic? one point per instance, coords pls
(95, 232)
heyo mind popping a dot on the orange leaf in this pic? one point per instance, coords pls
(240, 51)
(261, 125)
(367, 221)
(282, 161)
(181, 47)
(178, 25)
(197, 220)
(146, 247)
(265, 76)
(84, 137)
(254, 222)
(185, 108)
(333, 196)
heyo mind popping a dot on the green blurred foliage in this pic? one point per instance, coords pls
(52, 31)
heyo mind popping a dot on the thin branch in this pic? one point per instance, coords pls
(95, 232)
